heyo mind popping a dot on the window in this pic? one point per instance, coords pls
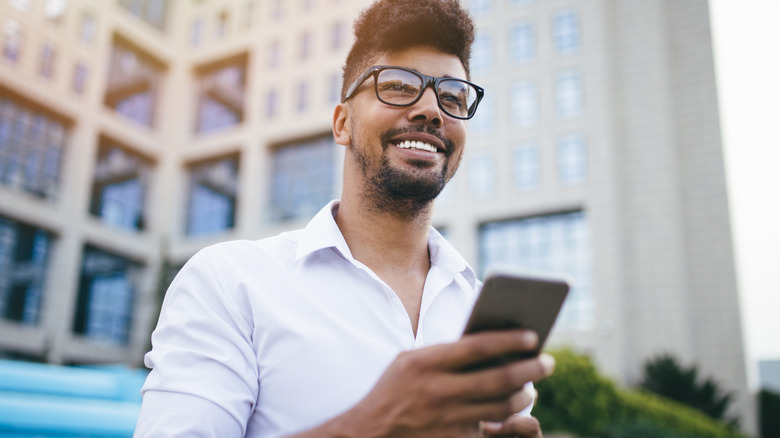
(272, 104)
(275, 55)
(12, 36)
(23, 257)
(337, 36)
(88, 28)
(558, 244)
(249, 14)
(449, 192)
(522, 42)
(566, 32)
(222, 90)
(525, 167)
(119, 187)
(153, 12)
(212, 200)
(482, 174)
(133, 81)
(104, 310)
(277, 10)
(31, 147)
(46, 66)
(221, 103)
(482, 53)
(20, 5)
(524, 103)
(334, 88)
(79, 77)
(306, 45)
(302, 99)
(220, 30)
(568, 94)
(572, 160)
(307, 5)
(196, 32)
(480, 7)
(484, 118)
(55, 9)
(303, 179)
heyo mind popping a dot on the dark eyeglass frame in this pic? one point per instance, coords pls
(427, 81)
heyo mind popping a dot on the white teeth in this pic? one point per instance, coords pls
(411, 144)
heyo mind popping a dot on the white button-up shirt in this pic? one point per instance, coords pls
(267, 338)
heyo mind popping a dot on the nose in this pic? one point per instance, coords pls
(426, 109)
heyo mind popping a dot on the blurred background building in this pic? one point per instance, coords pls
(135, 132)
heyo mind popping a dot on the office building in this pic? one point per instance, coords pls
(134, 132)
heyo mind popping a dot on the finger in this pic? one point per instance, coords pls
(523, 399)
(514, 426)
(475, 348)
(503, 381)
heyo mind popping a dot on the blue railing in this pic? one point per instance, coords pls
(38, 400)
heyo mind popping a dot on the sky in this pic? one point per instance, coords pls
(746, 41)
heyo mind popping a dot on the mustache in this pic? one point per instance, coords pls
(392, 132)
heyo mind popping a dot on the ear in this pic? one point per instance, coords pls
(341, 125)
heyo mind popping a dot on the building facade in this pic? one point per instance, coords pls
(135, 132)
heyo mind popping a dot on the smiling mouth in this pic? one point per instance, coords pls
(417, 145)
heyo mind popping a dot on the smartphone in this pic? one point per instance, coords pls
(512, 300)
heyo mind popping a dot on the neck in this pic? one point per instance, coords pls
(385, 240)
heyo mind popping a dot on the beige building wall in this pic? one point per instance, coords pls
(662, 272)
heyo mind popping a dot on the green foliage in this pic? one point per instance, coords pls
(576, 399)
(665, 376)
(642, 405)
(638, 429)
(769, 413)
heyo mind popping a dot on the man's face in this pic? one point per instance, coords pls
(406, 154)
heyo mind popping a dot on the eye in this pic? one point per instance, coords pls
(449, 98)
(397, 87)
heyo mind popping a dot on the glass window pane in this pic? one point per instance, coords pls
(12, 36)
(522, 42)
(482, 174)
(212, 197)
(222, 98)
(556, 244)
(118, 187)
(105, 304)
(572, 160)
(524, 103)
(482, 53)
(303, 179)
(526, 167)
(133, 82)
(568, 94)
(30, 149)
(23, 262)
(566, 31)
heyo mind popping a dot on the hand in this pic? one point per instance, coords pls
(425, 393)
(517, 425)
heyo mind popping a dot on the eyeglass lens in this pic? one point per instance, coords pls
(401, 87)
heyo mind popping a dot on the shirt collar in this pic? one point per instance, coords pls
(322, 232)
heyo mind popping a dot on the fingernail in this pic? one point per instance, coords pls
(548, 362)
(530, 338)
(492, 426)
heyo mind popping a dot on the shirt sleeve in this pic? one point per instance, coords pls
(526, 412)
(204, 378)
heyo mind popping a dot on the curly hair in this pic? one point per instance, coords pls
(394, 25)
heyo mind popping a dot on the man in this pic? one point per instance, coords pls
(351, 326)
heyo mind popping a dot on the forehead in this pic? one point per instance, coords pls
(426, 60)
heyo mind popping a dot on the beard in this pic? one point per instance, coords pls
(407, 192)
